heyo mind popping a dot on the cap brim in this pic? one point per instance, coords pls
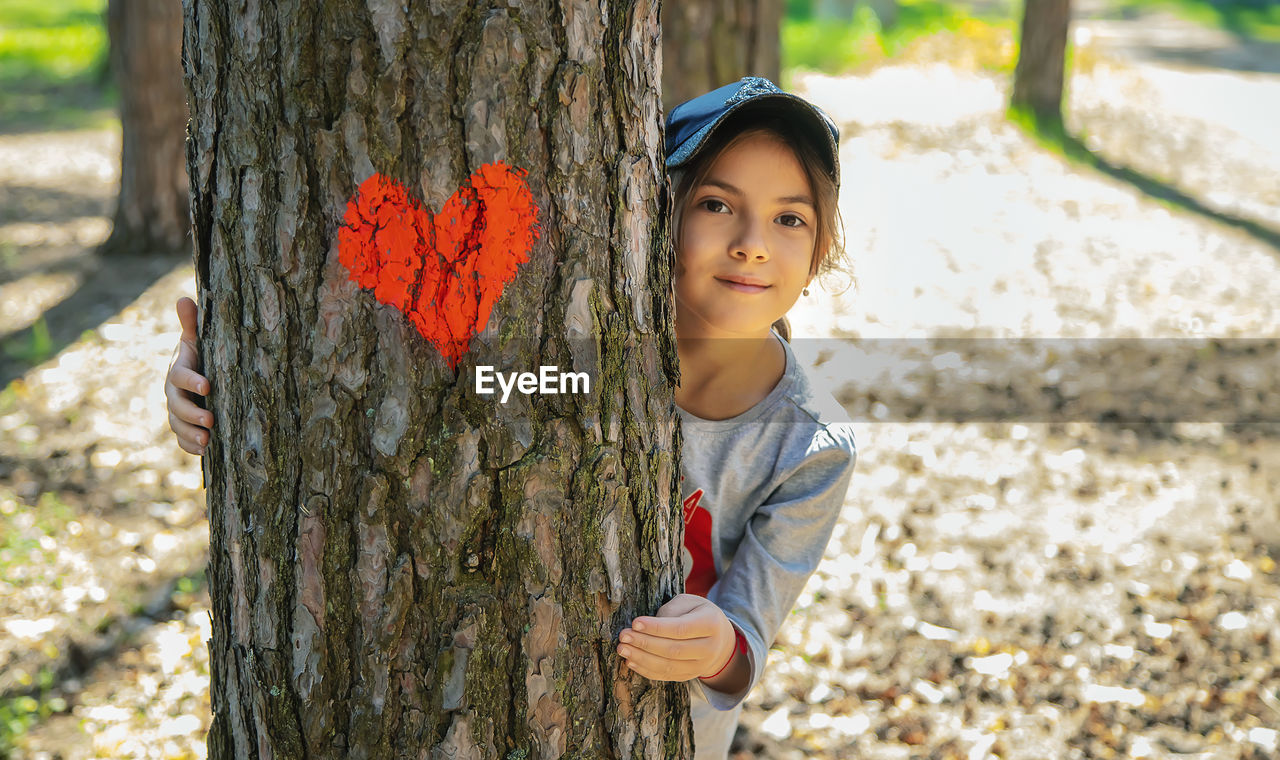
(815, 123)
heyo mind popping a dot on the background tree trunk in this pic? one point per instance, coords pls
(152, 215)
(886, 11)
(1039, 74)
(710, 43)
(400, 567)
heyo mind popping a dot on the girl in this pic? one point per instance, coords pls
(767, 457)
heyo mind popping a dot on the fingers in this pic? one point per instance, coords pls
(659, 668)
(648, 671)
(183, 373)
(676, 622)
(181, 403)
(191, 439)
(188, 316)
(187, 419)
(681, 604)
(678, 643)
(187, 379)
(668, 649)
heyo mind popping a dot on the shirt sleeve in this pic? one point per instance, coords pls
(781, 547)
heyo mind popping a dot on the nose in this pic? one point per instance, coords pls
(751, 242)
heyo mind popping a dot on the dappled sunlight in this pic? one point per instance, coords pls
(1023, 586)
(22, 301)
(102, 525)
(876, 99)
(128, 416)
(1020, 588)
(56, 159)
(84, 231)
(965, 226)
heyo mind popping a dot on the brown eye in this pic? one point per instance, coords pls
(798, 221)
(707, 205)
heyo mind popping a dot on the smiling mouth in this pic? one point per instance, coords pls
(742, 287)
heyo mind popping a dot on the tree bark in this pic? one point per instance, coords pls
(152, 213)
(710, 43)
(399, 566)
(1039, 74)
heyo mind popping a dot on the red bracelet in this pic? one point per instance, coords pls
(741, 647)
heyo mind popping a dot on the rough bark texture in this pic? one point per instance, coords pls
(710, 43)
(1038, 77)
(400, 567)
(152, 215)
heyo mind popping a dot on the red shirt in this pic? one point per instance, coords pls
(699, 567)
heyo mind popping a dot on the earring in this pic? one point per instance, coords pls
(806, 291)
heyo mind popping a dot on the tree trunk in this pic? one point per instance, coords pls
(886, 11)
(1038, 77)
(399, 566)
(152, 214)
(836, 10)
(710, 43)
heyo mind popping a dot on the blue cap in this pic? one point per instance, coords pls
(693, 121)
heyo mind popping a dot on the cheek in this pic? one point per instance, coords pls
(678, 276)
(686, 255)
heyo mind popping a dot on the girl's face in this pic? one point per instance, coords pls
(746, 247)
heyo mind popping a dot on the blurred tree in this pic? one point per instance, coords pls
(834, 9)
(1040, 71)
(152, 212)
(886, 11)
(400, 567)
(710, 43)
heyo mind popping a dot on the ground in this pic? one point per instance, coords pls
(1036, 587)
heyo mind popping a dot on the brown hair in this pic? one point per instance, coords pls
(828, 249)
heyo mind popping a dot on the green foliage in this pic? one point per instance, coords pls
(835, 45)
(8, 255)
(829, 45)
(917, 18)
(17, 714)
(52, 513)
(48, 517)
(1255, 19)
(44, 14)
(192, 582)
(33, 348)
(53, 63)
(1049, 133)
(56, 40)
(9, 397)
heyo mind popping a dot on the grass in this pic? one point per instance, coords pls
(35, 349)
(923, 29)
(1252, 19)
(53, 65)
(22, 527)
(18, 541)
(17, 714)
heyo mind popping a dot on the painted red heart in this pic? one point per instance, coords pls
(443, 271)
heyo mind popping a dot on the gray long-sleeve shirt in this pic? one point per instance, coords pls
(773, 480)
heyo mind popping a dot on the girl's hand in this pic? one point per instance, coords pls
(689, 637)
(189, 422)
